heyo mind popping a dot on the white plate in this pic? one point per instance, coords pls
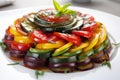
(18, 72)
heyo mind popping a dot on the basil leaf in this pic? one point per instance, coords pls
(106, 63)
(64, 7)
(66, 70)
(72, 12)
(38, 73)
(56, 5)
(2, 44)
(16, 63)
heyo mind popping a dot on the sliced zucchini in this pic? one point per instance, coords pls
(86, 54)
(28, 26)
(69, 54)
(62, 59)
(76, 26)
(102, 46)
(37, 51)
(31, 17)
(43, 55)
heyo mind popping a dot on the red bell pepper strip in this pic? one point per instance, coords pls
(38, 36)
(69, 37)
(52, 37)
(20, 46)
(92, 25)
(86, 34)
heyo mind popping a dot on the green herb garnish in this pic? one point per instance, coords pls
(106, 63)
(116, 44)
(63, 9)
(66, 71)
(2, 44)
(38, 73)
(16, 63)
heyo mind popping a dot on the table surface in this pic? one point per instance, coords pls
(109, 6)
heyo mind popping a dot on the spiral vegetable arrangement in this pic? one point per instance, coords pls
(60, 39)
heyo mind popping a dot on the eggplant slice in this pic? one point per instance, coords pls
(85, 67)
(62, 64)
(84, 64)
(17, 54)
(34, 63)
(62, 67)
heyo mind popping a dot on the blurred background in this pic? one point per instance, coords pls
(109, 6)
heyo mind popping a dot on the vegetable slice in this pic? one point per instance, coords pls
(57, 44)
(92, 42)
(23, 39)
(103, 35)
(81, 46)
(62, 49)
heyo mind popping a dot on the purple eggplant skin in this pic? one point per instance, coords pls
(34, 63)
(105, 57)
(31, 65)
(100, 57)
(9, 37)
(97, 56)
(85, 67)
(17, 53)
(7, 43)
(8, 40)
(62, 67)
(108, 50)
(83, 62)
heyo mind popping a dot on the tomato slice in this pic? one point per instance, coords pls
(49, 15)
(20, 46)
(38, 36)
(57, 19)
(69, 37)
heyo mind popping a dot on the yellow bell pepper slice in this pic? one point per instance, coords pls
(81, 46)
(103, 35)
(68, 45)
(92, 42)
(99, 24)
(23, 39)
(14, 31)
(57, 44)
